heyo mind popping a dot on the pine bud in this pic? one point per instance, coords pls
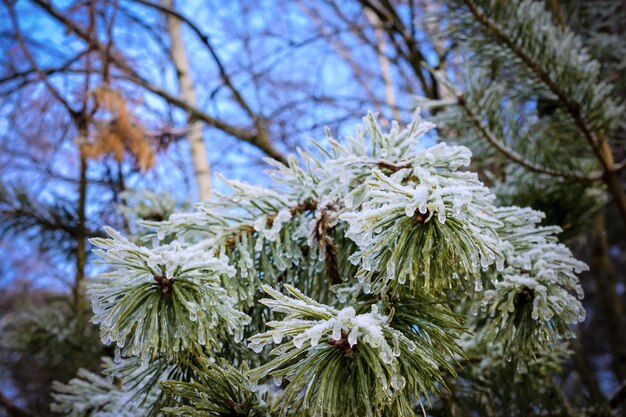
(164, 283)
(421, 217)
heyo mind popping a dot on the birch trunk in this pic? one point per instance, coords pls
(390, 96)
(199, 158)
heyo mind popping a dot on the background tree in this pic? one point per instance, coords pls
(265, 78)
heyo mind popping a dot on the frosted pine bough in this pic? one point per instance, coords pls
(353, 279)
(143, 322)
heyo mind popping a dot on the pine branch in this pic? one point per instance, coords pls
(491, 138)
(361, 351)
(515, 157)
(182, 285)
(597, 140)
(570, 104)
(396, 231)
(583, 96)
(308, 206)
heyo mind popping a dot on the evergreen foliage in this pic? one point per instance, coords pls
(526, 58)
(536, 106)
(375, 266)
(92, 395)
(138, 306)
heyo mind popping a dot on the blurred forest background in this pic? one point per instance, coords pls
(114, 111)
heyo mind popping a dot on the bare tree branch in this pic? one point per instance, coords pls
(47, 72)
(207, 43)
(256, 137)
(12, 409)
(31, 60)
(393, 25)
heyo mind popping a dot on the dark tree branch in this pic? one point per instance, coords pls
(47, 72)
(12, 409)
(393, 25)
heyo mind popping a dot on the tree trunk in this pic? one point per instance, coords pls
(612, 179)
(612, 306)
(199, 159)
(81, 251)
(588, 378)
